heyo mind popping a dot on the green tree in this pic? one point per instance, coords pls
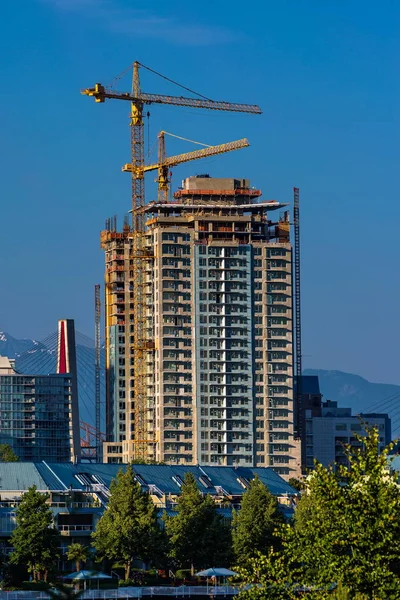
(346, 530)
(297, 484)
(78, 553)
(254, 524)
(128, 529)
(35, 540)
(198, 535)
(7, 454)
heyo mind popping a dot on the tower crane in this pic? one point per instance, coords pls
(165, 163)
(138, 99)
(141, 345)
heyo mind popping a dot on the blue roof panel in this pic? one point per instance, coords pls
(167, 478)
(19, 476)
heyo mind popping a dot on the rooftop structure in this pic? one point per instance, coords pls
(225, 482)
(7, 366)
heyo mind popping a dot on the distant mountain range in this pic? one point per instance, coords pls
(13, 348)
(347, 389)
(356, 392)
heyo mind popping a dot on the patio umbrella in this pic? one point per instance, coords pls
(85, 575)
(216, 572)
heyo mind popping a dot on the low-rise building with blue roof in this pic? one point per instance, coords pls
(79, 493)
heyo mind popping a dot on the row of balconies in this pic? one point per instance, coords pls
(228, 425)
(174, 377)
(115, 256)
(177, 368)
(282, 275)
(229, 415)
(178, 412)
(227, 448)
(113, 268)
(178, 459)
(228, 367)
(174, 424)
(281, 426)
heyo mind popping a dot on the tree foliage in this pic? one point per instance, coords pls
(35, 540)
(297, 484)
(198, 535)
(7, 454)
(254, 525)
(346, 530)
(78, 553)
(128, 529)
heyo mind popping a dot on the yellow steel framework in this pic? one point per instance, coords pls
(142, 346)
(110, 238)
(165, 163)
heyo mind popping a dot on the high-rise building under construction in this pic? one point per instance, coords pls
(218, 322)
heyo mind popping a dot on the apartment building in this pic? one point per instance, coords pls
(331, 428)
(218, 293)
(37, 415)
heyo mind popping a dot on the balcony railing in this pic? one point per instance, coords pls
(75, 528)
(16, 503)
(132, 592)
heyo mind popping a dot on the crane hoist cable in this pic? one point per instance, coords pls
(179, 137)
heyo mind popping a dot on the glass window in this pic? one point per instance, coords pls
(356, 427)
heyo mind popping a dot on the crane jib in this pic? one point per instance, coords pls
(100, 93)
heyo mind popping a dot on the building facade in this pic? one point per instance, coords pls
(219, 327)
(36, 415)
(309, 406)
(335, 427)
(79, 493)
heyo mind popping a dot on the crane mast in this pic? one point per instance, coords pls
(97, 309)
(143, 345)
(300, 417)
(137, 151)
(139, 264)
(163, 170)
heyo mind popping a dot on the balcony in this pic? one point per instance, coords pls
(115, 256)
(115, 268)
(76, 529)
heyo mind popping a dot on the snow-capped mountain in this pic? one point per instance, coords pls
(13, 348)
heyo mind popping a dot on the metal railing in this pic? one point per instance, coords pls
(75, 527)
(132, 592)
(16, 503)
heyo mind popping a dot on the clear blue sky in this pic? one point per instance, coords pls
(326, 76)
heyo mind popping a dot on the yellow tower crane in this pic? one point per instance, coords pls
(166, 163)
(141, 345)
